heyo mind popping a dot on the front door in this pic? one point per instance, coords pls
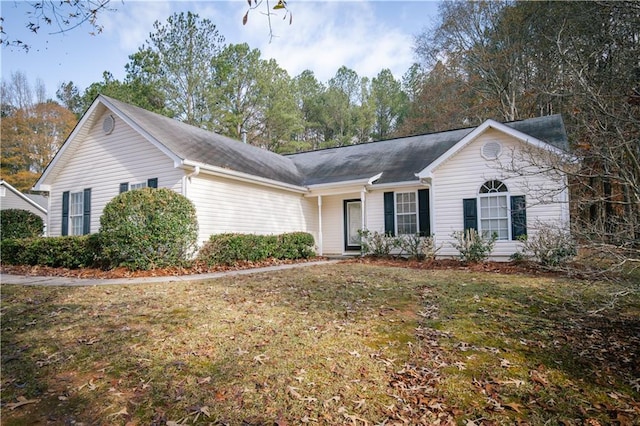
(352, 224)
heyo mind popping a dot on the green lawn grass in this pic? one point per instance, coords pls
(341, 344)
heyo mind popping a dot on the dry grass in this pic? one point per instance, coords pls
(341, 344)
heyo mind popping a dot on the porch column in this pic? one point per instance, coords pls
(320, 225)
(363, 207)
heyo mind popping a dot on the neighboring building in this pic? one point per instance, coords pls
(11, 198)
(434, 184)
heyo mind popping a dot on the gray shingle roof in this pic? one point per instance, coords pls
(398, 159)
(192, 143)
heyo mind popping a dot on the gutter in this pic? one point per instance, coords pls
(240, 176)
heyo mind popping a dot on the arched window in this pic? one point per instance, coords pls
(494, 209)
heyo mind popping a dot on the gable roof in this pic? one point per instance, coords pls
(401, 159)
(37, 201)
(389, 161)
(198, 145)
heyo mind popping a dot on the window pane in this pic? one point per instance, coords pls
(494, 216)
(76, 202)
(406, 216)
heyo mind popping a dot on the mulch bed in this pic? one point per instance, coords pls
(440, 264)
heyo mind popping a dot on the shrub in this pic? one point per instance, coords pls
(550, 246)
(418, 247)
(230, 249)
(472, 246)
(16, 223)
(148, 228)
(295, 245)
(377, 243)
(70, 252)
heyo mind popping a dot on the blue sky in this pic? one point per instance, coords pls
(366, 36)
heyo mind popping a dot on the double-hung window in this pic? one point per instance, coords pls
(499, 213)
(406, 213)
(76, 213)
(494, 210)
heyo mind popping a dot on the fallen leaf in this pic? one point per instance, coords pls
(294, 392)
(122, 412)
(514, 406)
(21, 401)
(260, 358)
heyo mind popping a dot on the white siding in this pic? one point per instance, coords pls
(333, 222)
(462, 176)
(10, 200)
(226, 205)
(101, 162)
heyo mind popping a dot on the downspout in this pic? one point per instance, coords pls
(320, 249)
(187, 179)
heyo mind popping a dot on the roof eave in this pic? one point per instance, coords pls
(427, 172)
(243, 177)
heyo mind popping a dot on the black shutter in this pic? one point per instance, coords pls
(152, 183)
(518, 216)
(65, 213)
(86, 214)
(423, 212)
(124, 187)
(389, 214)
(470, 213)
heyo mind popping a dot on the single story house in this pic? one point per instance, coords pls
(433, 184)
(11, 198)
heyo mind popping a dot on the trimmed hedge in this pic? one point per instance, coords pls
(148, 228)
(18, 223)
(230, 249)
(70, 252)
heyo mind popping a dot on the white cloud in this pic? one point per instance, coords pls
(133, 21)
(326, 35)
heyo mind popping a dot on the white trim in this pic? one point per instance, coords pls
(243, 177)
(416, 213)
(409, 183)
(427, 172)
(21, 195)
(320, 243)
(342, 187)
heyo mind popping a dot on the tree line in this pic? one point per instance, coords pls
(479, 60)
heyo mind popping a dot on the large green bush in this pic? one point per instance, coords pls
(17, 223)
(58, 252)
(148, 228)
(230, 249)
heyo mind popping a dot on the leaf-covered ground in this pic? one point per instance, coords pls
(351, 343)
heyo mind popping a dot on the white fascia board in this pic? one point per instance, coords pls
(427, 172)
(405, 184)
(40, 185)
(24, 197)
(166, 151)
(240, 176)
(342, 187)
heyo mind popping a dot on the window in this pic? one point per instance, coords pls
(499, 213)
(406, 213)
(150, 183)
(76, 212)
(494, 211)
(139, 185)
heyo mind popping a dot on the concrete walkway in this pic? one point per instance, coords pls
(76, 282)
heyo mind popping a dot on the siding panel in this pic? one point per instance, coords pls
(461, 177)
(101, 162)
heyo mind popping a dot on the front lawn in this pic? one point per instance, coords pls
(342, 344)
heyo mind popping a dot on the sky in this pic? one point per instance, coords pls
(366, 36)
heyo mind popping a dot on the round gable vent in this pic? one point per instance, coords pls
(108, 124)
(491, 150)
